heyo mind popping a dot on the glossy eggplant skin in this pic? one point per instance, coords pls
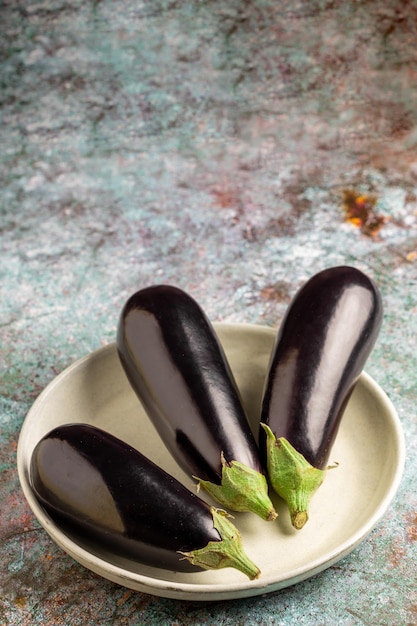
(104, 489)
(178, 369)
(322, 345)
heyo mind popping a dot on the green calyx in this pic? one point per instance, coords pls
(242, 489)
(291, 476)
(228, 552)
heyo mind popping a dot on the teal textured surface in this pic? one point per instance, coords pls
(230, 148)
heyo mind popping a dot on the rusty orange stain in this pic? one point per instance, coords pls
(225, 196)
(269, 293)
(124, 597)
(411, 527)
(20, 602)
(359, 209)
(277, 292)
(398, 556)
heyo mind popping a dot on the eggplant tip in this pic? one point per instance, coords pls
(272, 515)
(299, 519)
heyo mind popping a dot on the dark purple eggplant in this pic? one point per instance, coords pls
(179, 371)
(98, 485)
(326, 336)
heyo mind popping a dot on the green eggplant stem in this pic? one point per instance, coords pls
(291, 476)
(228, 552)
(242, 489)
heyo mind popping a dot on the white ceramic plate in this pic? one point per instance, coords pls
(352, 500)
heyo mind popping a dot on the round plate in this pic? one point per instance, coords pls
(369, 451)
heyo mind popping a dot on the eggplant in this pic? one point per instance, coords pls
(325, 338)
(100, 487)
(179, 371)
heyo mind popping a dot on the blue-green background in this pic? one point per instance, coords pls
(206, 144)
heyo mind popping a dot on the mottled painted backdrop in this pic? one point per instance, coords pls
(232, 148)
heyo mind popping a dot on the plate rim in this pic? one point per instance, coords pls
(204, 591)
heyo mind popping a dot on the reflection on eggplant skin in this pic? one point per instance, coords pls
(179, 371)
(327, 334)
(177, 366)
(110, 493)
(67, 480)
